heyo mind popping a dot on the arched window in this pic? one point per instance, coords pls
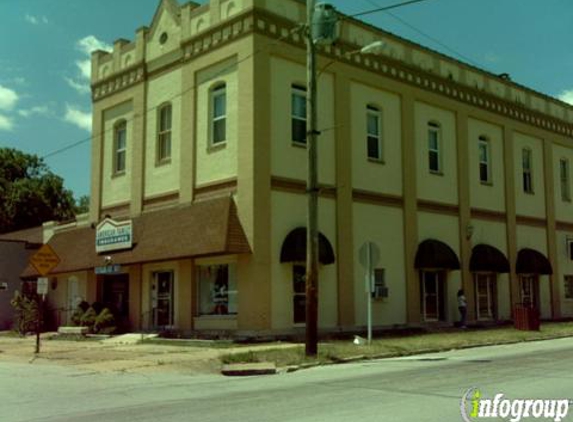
(164, 133)
(119, 147)
(374, 133)
(484, 160)
(434, 147)
(218, 114)
(298, 114)
(527, 169)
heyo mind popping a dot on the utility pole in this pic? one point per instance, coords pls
(311, 345)
(320, 29)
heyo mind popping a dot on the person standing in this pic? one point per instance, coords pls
(463, 307)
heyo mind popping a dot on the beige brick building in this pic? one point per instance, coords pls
(460, 177)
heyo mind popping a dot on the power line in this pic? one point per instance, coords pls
(180, 94)
(382, 9)
(431, 38)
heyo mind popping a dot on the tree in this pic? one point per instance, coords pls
(30, 193)
(83, 204)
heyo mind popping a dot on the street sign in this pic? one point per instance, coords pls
(45, 260)
(42, 286)
(369, 255)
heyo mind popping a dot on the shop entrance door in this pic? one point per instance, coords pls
(115, 296)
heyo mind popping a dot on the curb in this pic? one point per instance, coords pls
(249, 369)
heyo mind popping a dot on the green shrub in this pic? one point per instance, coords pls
(26, 313)
(104, 322)
(88, 318)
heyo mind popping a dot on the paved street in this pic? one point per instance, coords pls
(419, 388)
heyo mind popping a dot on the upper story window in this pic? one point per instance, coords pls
(484, 160)
(298, 114)
(164, 133)
(434, 147)
(373, 133)
(119, 146)
(527, 167)
(218, 114)
(564, 179)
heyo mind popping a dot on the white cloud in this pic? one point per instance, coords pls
(6, 123)
(86, 46)
(8, 98)
(566, 96)
(78, 117)
(36, 20)
(82, 88)
(37, 110)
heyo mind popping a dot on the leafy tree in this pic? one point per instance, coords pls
(30, 193)
(83, 204)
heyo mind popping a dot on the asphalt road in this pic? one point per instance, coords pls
(413, 389)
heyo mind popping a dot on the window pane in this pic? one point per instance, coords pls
(164, 146)
(120, 161)
(433, 140)
(373, 148)
(483, 173)
(483, 152)
(165, 119)
(120, 138)
(373, 124)
(299, 130)
(434, 163)
(219, 130)
(299, 105)
(217, 289)
(526, 159)
(219, 105)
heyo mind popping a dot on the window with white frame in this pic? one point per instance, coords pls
(218, 293)
(564, 179)
(162, 298)
(484, 160)
(527, 168)
(373, 133)
(568, 286)
(164, 133)
(380, 290)
(119, 147)
(298, 114)
(434, 147)
(218, 114)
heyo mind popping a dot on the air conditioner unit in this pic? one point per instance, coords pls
(380, 292)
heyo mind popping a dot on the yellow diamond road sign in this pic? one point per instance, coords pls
(45, 260)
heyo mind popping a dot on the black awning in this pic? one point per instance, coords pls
(435, 254)
(487, 258)
(529, 261)
(294, 247)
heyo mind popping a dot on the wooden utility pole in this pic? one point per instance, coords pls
(312, 191)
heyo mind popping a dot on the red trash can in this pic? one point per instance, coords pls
(526, 318)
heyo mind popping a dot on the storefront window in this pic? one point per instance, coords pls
(217, 289)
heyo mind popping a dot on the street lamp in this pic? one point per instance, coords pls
(321, 29)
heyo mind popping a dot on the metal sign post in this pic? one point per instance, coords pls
(41, 289)
(369, 255)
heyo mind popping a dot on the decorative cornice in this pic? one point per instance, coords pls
(118, 82)
(215, 188)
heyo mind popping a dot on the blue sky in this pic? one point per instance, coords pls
(45, 44)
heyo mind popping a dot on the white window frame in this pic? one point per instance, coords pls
(483, 142)
(155, 297)
(298, 91)
(119, 153)
(435, 128)
(375, 113)
(564, 180)
(527, 170)
(217, 91)
(164, 127)
(490, 280)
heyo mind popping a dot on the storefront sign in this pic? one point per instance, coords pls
(108, 269)
(113, 235)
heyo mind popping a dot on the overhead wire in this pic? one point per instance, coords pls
(149, 110)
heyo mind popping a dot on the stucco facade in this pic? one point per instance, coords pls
(416, 151)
